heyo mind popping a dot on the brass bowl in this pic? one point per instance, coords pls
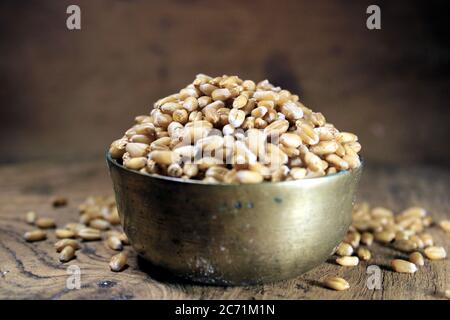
(234, 234)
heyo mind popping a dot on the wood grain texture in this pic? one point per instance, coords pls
(32, 270)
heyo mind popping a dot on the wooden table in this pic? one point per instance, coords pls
(32, 270)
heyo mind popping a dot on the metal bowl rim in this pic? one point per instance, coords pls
(199, 182)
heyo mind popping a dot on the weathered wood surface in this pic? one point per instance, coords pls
(32, 270)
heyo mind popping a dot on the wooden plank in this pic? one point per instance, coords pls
(32, 270)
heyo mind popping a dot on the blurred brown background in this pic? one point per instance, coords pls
(67, 94)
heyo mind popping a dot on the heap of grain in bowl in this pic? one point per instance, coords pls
(229, 130)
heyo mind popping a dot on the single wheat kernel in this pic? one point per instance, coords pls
(347, 261)
(364, 254)
(210, 143)
(240, 102)
(353, 238)
(249, 85)
(137, 149)
(401, 235)
(355, 146)
(162, 143)
(405, 245)
(99, 224)
(337, 161)
(67, 254)
(403, 266)
(123, 237)
(31, 217)
(220, 94)
(210, 180)
(344, 249)
(118, 262)
(216, 172)
(212, 116)
(191, 104)
(45, 223)
(181, 116)
(340, 150)
(162, 120)
(362, 225)
(35, 235)
(291, 140)
(297, 173)
(147, 129)
(190, 169)
(277, 127)
(89, 234)
(367, 238)
(195, 116)
(247, 176)
(249, 123)
(259, 112)
(117, 148)
(427, 221)
(207, 88)
(279, 174)
(261, 169)
(445, 225)
(61, 244)
(140, 138)
(59, 201)
(307, 133)
(236, 118)
(417, 240)
(170, 98)
(346, 137)
(417, 258)
(265, 95)
(161, 133)
(313, 162)
(164, 157)
(113, 217)
(85, 218)
(135, 163)
(325, 133)
(291, 111)
(141, 119)
(74, 226)
(324, 147)
(228, 130)
(275, 156)
(114, 243)
(64, 233)
(435, 253)
(384, 236)
(336, 283)
(292, 152)
(427, 239)
(207, 162)
(416, 212)
(270, 116)
(189, 91)
(175, 170)
(352, 160)
(187, 152)
(447, 293)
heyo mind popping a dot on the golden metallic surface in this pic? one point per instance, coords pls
(234, 234)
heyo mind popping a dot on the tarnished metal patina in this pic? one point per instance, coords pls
(234, 234)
